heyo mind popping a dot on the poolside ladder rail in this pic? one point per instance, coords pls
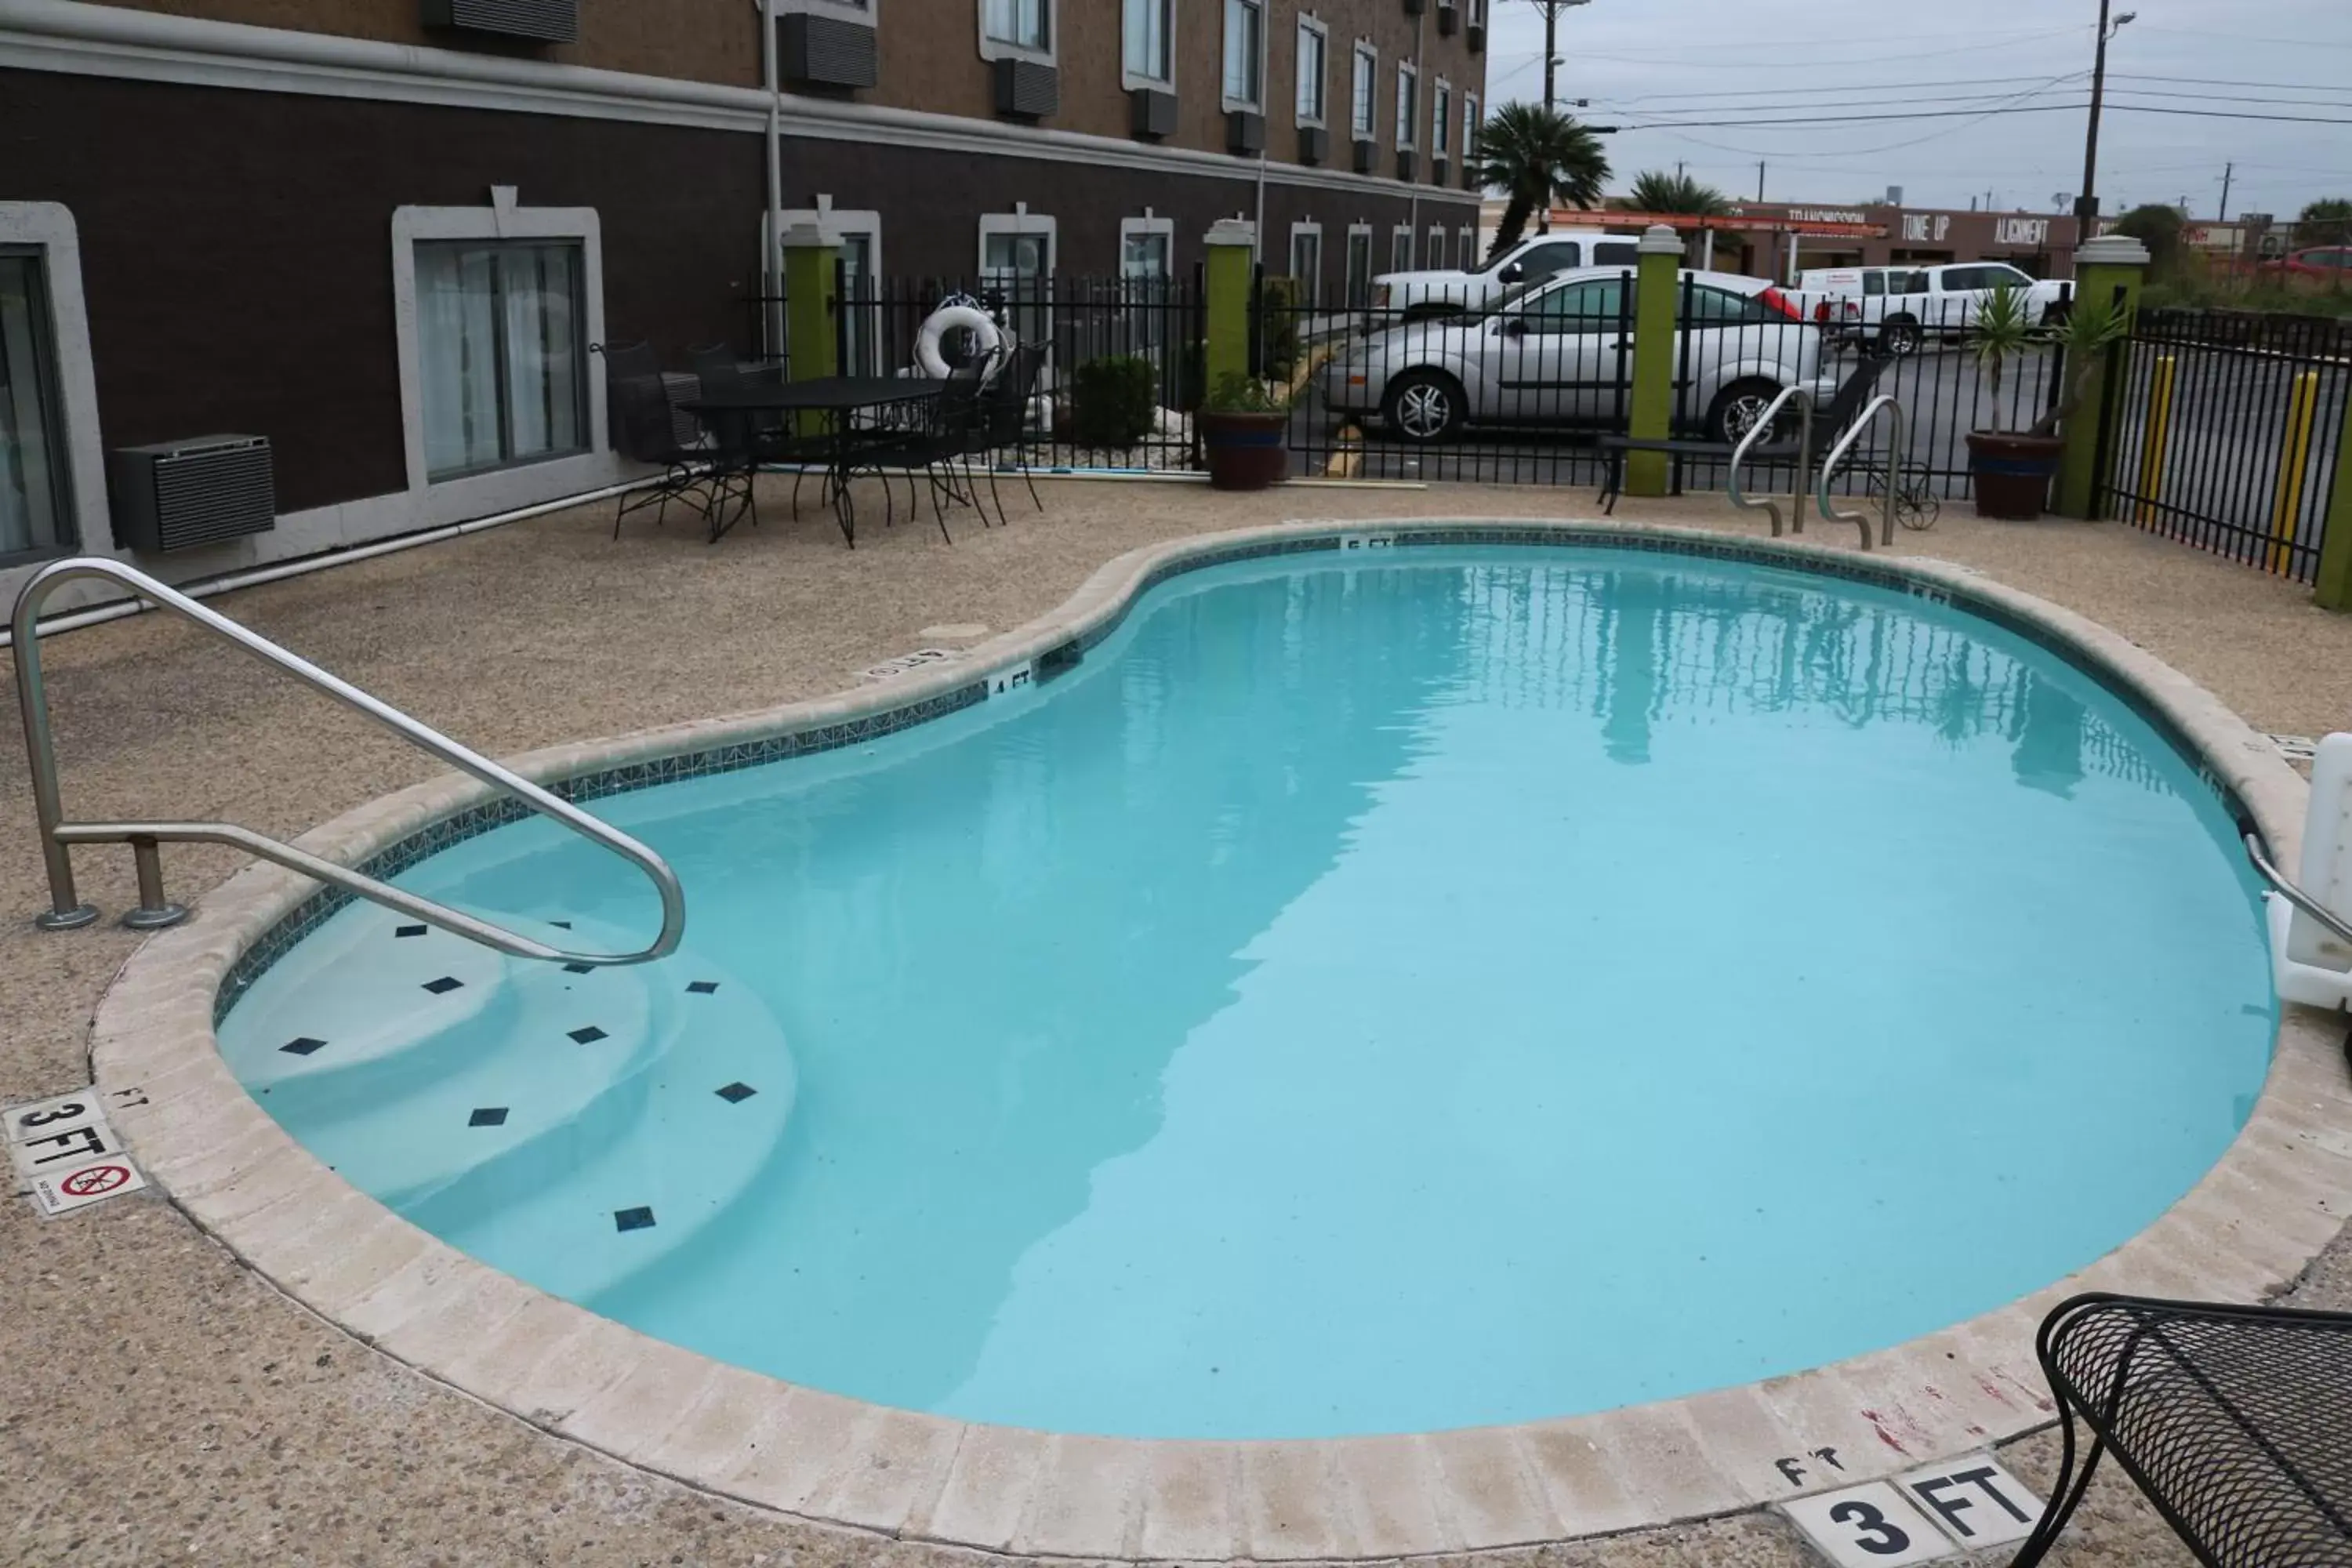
(1756, 432)
(68, 912)
(1886, 403)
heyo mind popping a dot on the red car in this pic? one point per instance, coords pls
(2333, 262)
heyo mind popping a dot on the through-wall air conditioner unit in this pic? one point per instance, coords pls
(176, 495)
(545, 21)
(1244, 132)
(1153, 113)
(1026, 90)
(826, 51)
(1367, 156)
(1314, 143)
(1439, 170)
(1475, 37)
(1449, 17)
(1405, 163)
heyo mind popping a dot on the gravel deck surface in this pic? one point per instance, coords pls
(159, 1402)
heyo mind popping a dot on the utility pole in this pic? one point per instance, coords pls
(1759, 180)
(2086, 204)
(1551, 10)
(2227, 171)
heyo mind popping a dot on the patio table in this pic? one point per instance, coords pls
(837, 396)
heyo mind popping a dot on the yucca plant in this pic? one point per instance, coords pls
(2004, 328)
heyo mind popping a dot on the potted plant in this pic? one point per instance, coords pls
(2013, 467)
(1243, 426)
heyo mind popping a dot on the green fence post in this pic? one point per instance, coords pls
(1233, 250)
(2103, 267)
(1652, 409)
(2332, 590)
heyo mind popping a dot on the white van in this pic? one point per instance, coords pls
(1534, 258)
(1895, 309)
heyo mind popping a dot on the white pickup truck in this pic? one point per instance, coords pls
(1895, 309)
(1418, 294)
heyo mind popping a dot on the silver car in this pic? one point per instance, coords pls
(1559, 351)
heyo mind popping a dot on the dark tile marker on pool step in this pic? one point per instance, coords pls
(737, 1093)
(488, 1116)
(443, 985)
(702, 987)
(632, 1219)
(588, 1036)
(408, 930)
(301, 1046)
(579, 969)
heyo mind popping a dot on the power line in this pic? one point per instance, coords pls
(2009, 109)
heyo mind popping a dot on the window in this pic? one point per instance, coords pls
(1434, 257)
(1016, 261)
(1722, 308)
(36, 506)
(1595, 306)
(1408, 105)
(1306, 262)
(1477, 13)
(1469, 126)
(1021, 25)
(1466, 241)
(1400, 249)
(1312, 47)
(1441, 120)
(1543, 260)
(500, 350)
(1617, 253)
(1147, 265)
(1244, 54)
(1366, 113)
(1148, 58)
(1359, 266)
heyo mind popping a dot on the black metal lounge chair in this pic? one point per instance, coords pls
(1003, 425)
(1829, 424)
(641, 407)
(2236, 1422)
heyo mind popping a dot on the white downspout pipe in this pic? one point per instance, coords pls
(772, 283)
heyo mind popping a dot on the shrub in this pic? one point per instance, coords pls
(1113, 402)
(1277, 328)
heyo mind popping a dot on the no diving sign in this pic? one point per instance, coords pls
(61, 1191)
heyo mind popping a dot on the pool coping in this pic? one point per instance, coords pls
(2248, 1226)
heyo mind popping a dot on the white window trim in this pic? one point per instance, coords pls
(1465, 240)
(48, 227)
(1308, 225)
(1364, 50)
(867, 11)
(1440, 119)
(1405, 229)
(1308, 24)
(1020, 220)
(1265, 47)
(1471, 123)
(1150, 223)
(1131, 80)
(476, 495)
(1408, 125)
(998, 49)
(1431, 243)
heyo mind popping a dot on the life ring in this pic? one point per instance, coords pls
(986, 336)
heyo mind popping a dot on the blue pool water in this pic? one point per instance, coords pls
(1478, 986)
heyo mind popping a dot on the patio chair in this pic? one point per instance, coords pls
(1829, 424)
(647, 425)
(944, 442)
(772, 437)
(2236, 1422)
(1003, 422)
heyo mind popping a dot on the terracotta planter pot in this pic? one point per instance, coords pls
(1246, 451)
(2013, 473)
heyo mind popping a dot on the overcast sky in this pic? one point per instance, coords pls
(1643, 61)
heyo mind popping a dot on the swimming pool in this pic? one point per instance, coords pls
(1414, 991)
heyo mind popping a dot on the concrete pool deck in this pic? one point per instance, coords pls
(160, 1398)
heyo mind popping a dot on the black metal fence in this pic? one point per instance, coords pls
(2223, 432)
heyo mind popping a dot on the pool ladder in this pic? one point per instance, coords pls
(68, 912)
(1830, 466)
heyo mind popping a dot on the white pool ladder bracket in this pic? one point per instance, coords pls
(68, 912)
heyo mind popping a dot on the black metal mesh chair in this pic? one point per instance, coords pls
(646, 424)
(2236, 1422)
(772, 437)
(944, 442)
(1002, 427)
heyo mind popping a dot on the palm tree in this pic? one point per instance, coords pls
(1657, 192)
(1537, 157)
(2327, 221)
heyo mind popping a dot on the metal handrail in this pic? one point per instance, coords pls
(1895, 454)
(1804, 445)
(2292, 894)
(67, 911)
